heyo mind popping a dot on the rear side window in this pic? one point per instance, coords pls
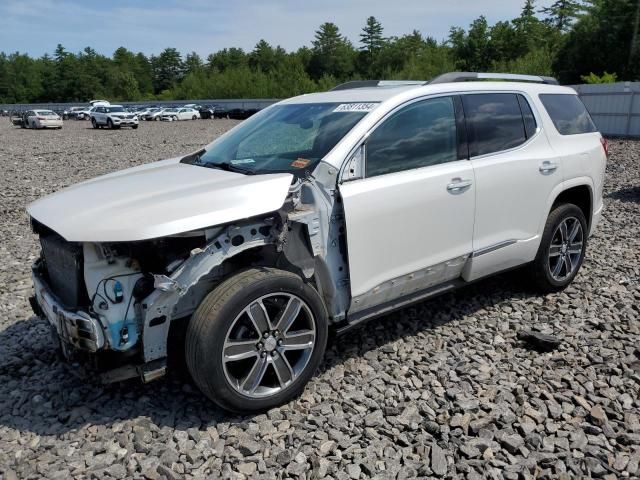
(494, 122)
(568, 113)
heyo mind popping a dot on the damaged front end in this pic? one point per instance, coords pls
(114, 302)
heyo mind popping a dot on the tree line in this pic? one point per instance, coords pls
(574, 40)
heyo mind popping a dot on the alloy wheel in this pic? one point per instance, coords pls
(269, 345)
(567, 244)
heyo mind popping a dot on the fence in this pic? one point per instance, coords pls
(615, 107)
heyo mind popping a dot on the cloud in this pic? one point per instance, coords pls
(37, 26)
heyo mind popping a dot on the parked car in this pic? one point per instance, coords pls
(17, 118)
(99, 103)
(321, 211)
(152, 114)
(73, 111)
(221, 112)
(207, 111)
(241, 113)
(38, 119)
(85, 113)
(174, 114)
(113, 116)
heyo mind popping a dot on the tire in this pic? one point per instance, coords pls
(94, 124)
(555, 251)
(174, 118)
(109, 124)
(222, 317)
(135, 127)
(194, 117)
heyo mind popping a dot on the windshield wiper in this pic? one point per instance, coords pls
(229, 167)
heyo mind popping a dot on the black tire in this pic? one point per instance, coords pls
(194, 117)
(215, 317)
(109, 124)
(174, 118)
(94, 124)
(134, 127)
(540, 269)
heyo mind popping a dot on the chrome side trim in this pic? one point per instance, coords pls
(492, 248)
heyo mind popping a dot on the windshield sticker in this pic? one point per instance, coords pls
(300, 163)
(242, 161)
(355, 107)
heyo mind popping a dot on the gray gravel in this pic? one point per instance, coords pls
(443, 389)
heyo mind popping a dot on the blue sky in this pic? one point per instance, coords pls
(204, 26)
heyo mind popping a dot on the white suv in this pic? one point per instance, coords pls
(113, 116)
(321, 211)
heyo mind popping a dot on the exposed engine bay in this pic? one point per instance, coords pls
(120, 298)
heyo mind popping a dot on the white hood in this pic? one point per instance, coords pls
(157, 199)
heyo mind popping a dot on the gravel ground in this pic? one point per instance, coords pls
(443, 389)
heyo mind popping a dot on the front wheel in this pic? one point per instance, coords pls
(134, 127)
(109, 124)
(256, 339)
(562, 249)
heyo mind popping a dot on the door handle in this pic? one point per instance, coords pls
(458, 185)
(548, 167)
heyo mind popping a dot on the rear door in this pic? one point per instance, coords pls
(410, 220)
(516, 171)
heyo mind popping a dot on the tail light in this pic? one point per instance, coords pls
(41, 118)
(605, 146)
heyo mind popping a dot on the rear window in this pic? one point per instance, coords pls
(568, 113)
(494, 122)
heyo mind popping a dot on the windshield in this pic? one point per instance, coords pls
(46, 113)
(284, 138)
(114, 109)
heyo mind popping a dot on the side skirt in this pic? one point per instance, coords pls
(387, 307)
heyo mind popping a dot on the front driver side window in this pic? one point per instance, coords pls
(419, 135)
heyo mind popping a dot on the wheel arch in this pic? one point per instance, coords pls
(578, 191)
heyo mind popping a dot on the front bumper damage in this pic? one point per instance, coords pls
(81, 335)
(76, 329)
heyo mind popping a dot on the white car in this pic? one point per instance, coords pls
(84, 113)
(113, 116)
(319, 212)
(42, 119)
(174, 114)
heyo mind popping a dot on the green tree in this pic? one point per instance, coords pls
(602, 40)
(371, 44)
(332, 53)
(562, 13)
(167, 69)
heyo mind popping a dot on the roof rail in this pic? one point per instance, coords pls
(376, 83)
(470, 76)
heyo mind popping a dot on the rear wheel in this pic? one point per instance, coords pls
(194, 118)
(94, 124)
(134, 126)
(562, 249)
(256, 340)
(174, 118)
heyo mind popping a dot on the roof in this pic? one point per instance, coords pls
(380, 94)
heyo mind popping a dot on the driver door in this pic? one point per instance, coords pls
(409, 221)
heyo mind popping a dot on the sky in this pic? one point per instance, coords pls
(205, 26)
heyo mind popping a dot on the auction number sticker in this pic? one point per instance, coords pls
(355, 107)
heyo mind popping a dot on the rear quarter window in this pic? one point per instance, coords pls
(568, 113)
